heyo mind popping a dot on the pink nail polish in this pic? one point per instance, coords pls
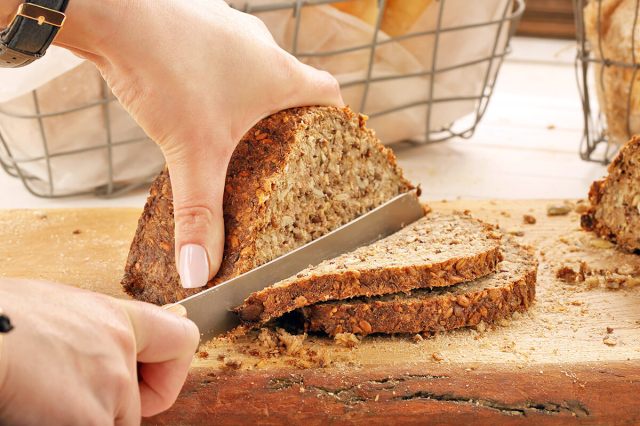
(194, 266)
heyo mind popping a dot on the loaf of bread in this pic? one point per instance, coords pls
(614, 213)
(609, 26)
(295, 176)
(435, 251)
(397, 18)
(510, 289)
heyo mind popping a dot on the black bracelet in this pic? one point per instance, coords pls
(5, 324)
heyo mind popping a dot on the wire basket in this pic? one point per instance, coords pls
(430, 104)
(606, 74)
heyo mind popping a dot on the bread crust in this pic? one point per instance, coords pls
(257, 165)
(614, 213)
(487, 300)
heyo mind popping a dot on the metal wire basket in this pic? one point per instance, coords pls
(606, 79)
(428, 104)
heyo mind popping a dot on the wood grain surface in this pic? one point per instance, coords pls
(573, 359)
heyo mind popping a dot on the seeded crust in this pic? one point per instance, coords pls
(511, 288)
(615, 200)
(435, 251)
(294, 176)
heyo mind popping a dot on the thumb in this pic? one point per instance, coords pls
(197, 172)
(165, 344)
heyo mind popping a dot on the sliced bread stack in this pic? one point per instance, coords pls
(440, 273)
(511, 288)
(304, 172)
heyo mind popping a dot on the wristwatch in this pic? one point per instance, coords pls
(31, 32)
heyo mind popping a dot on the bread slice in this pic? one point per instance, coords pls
(434, 251)
(294, 176)
(511, 288)
(615, 200)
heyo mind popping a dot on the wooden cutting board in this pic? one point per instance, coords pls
(574, 358)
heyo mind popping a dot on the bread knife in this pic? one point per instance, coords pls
(211, 308)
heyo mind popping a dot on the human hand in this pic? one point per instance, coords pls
(196, 75)
(75, 357)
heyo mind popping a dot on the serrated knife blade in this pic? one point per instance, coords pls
(211, 308)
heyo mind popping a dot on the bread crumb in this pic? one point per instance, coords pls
(516, 232)
(529, 219)
(437, 356)
(600, 243)
(348, 340)
(76, 232)
(417, 338)
(267, 339)
(203, 354)
(568, 275)
(610, 341)
(558, 210)
(609, 330)
(581, 208)
(292, 343)
(232, 364)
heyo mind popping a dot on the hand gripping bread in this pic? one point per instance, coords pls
(435, 251)
(511, 288)
(615, 200)
(294, 176)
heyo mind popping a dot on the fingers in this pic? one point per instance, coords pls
(312, 87)
(165, 345)
(198, 172)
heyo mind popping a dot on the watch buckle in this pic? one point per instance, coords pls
(42, 15)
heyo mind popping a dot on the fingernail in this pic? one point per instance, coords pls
(176, 309)
(194, 266)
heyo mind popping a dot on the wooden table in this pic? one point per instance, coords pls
(574, 358)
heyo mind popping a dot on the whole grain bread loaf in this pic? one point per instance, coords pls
(511, 288)
(293, 177)
(614, 213)
(435, 251)
(611, 29)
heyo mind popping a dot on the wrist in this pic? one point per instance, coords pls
(90, 24)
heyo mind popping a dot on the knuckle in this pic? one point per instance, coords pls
(253, 20)
(332, 84)
(125, 340)
(122, 381)
(193, 218)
